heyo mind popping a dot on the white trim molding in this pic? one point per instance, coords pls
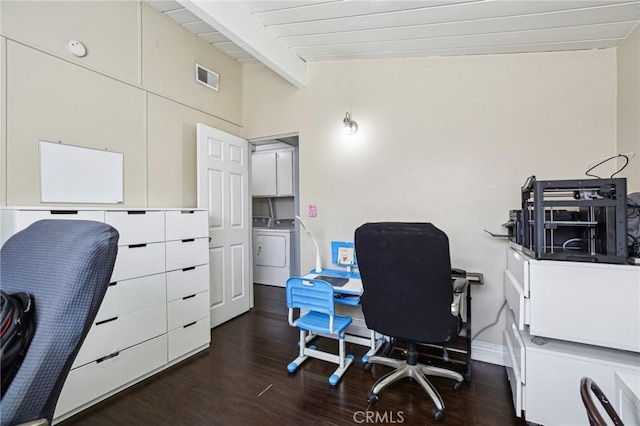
(488, 352)
(235, 23)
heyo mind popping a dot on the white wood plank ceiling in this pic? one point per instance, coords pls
(323, 30)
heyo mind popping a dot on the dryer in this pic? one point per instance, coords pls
(272, 256)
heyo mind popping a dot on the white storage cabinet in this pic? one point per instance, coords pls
(272, 173)
(567, 320)
(156, 309)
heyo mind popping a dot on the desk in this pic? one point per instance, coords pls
(459, 351)
(349, 294)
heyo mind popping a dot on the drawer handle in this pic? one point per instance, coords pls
(188, 297)
(191, 268)
(137, 245)
(189, 325)
(63, 211)
(104, 358)
(136, 212)
(106, 321)
(187, 212)
(189, 240)
(113, 284)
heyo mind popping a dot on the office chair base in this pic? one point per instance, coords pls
(417, 372)
(438, 415)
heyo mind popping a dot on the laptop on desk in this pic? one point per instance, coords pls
(334, 281)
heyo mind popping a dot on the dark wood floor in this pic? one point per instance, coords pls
(242, 380)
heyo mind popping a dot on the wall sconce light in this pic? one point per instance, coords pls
(350, 126)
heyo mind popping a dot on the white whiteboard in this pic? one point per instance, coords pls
(73, 174)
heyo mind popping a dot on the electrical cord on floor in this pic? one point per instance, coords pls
(492, 324)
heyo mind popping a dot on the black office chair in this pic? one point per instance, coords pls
(65, 265)
(409, 295)
(587, 385)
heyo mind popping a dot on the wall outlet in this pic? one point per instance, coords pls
(313, 210)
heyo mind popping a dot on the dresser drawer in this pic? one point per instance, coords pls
(137, 227)
(128, 296)
(139, 260)
(24, 218)
(518, 265)
(188, 281)
(115, 334)
(188, 338)
(515, 348)
(91, 381)
(186, 253)
(590, 303)
(515, 296)
(185, 224)
(515, 383)
(188, 309)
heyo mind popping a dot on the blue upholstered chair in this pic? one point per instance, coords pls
(65, 265)
(316, 297)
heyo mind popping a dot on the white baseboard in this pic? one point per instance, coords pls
(488, 352)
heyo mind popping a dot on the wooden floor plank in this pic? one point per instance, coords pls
(242, 380)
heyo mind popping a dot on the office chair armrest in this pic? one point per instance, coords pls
(459, 287)
(39, 422)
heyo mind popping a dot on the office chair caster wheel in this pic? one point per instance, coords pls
(458, 385)
(438, 415)
(372, 397)
(367, 366)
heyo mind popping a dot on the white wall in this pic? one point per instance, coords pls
(134, 92)
(444, 140)
(628, 129)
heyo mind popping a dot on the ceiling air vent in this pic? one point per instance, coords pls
(207, 77)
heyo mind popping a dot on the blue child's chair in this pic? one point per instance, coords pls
(316, 297)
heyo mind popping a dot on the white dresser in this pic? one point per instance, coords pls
(156, 310)
(567, 320)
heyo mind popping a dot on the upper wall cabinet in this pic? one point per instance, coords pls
(169, 57)
(50, 25)
(272, 173)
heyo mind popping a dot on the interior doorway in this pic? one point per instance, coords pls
(274, 182)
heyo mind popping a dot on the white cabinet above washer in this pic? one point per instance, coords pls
(272, 173)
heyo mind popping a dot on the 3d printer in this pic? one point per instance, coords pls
(577, 220)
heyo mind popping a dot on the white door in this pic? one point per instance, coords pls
(223, 189)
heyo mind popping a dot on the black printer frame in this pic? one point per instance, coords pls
(596, 208)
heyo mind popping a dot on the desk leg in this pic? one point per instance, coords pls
(375, 344)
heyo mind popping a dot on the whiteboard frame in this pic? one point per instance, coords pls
(75, 174)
